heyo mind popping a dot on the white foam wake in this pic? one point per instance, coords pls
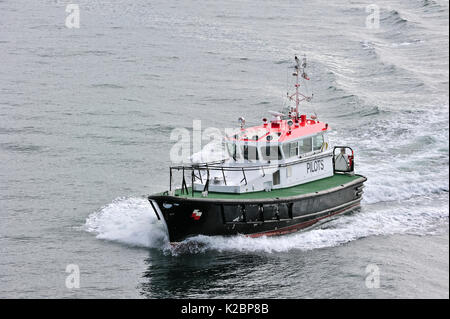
(132, 221)
(412, 218)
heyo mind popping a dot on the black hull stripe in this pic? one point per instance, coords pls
(296, 227)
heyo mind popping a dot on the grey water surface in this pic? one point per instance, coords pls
(86, 116)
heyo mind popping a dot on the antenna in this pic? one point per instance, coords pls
(297, 85)
(299, 70)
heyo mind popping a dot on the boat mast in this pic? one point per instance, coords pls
(297, 85)
(299, 68)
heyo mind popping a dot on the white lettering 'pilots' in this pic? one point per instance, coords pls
(314, 166)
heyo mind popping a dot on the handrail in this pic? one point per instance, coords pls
(212, 165)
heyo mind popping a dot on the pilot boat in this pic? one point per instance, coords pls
(280, 177)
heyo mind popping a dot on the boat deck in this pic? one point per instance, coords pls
(311, 187)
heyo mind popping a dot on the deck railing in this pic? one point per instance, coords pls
(197, 168)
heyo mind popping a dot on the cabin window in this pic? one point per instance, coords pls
(317, 142)
(305, 145)
(271, 153)
(290, 149)
(250, 153)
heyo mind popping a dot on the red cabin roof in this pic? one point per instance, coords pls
(280, 131)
